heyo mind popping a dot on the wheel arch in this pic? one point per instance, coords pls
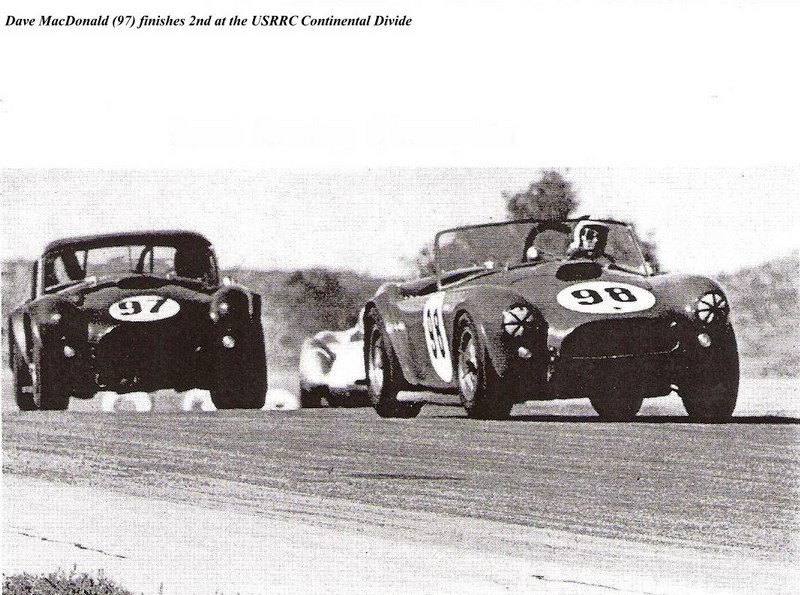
(394, 332)
(486, 312)
(24, 343)
(12, 347)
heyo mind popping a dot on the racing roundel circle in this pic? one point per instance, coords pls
(436, 338)
(605, 297)
(144, 308)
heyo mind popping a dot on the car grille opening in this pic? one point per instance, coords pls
(149, 353)
(626, 338)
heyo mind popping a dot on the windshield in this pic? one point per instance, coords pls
(532, 242)
(68, 266)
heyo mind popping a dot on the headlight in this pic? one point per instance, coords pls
(712, 307)
(230, 302)
(218, 310)
(516, 319)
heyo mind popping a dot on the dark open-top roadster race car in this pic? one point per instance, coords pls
(539, 310)
(135, 312)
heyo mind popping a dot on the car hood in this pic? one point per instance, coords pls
(96, 297)
(550, 287)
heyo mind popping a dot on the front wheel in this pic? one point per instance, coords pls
(483, 393)
(47, 394)
(616, 407)
(711, 386)
(384, 375)
(23, 384)
(239, 378)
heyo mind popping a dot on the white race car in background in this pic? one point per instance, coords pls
(332, 368)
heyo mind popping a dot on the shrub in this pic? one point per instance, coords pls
(61, 583)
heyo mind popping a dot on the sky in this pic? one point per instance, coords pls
(704, 220)
(350, 148)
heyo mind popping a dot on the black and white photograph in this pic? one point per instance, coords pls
(430, 298)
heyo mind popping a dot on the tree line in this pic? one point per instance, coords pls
(550, 197)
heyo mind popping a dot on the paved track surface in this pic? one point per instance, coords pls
(568, 504)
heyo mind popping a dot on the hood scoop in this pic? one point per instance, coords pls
(579, 271)
(141, 282)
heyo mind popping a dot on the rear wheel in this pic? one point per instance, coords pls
(615, 407)
(23, 383)
(240, 373)
(384, 375)
(47, 394)
(483, 393)
(711, 387)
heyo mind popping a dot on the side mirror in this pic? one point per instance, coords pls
(648, 269)
(532, 254)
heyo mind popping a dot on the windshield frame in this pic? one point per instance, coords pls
(180, 244)
(439, 272)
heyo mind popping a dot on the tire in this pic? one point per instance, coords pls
(483, 393)
(334, 400)
(384, 375)
(22, 381)
(239, 379)
(361, 399)
(47, 395)
(616, 407)
(711, 387)
(311, 398)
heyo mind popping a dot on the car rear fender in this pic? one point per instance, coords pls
(394, 328)
(17, 342)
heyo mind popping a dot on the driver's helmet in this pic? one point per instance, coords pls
(589, 237)
(192, 264)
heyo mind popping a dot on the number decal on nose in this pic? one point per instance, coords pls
(144, 308)
(603, 297)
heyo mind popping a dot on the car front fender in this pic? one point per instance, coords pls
(233, 304)
(56, 317)
(486, 312)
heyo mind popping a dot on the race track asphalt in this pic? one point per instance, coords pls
(659, 505)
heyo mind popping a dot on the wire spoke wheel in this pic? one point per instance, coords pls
(23, 384)
(384, 373)
(376, 371)
(47, 394)
(468, 368)
(483, 393)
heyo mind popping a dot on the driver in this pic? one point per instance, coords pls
(589, 241)
(192, 264)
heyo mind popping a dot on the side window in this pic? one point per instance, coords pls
(158, 260)
(55, 272)
(61, 268)
(60, 271)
